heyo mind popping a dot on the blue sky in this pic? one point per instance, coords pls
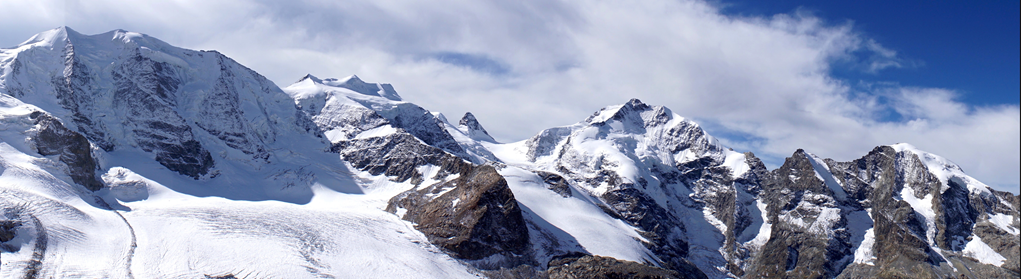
(970, 46)
(836, 78)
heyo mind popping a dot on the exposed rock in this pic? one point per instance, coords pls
(8, 229)
(473, 216)
(519, 272)
(153, 120)
(605, 267)
(424, 126)
(396, 155)
(74, 150)
(801, 209)
(555, 183)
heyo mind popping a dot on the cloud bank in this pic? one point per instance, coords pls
(761, 84)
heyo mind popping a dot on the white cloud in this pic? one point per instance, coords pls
(767, 78)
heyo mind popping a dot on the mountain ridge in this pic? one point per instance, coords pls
(175, 134)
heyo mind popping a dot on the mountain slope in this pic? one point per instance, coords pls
(123, 156)
(150, 218)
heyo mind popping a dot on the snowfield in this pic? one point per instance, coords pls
(156, 232)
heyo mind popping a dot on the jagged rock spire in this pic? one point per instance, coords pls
(471, 126)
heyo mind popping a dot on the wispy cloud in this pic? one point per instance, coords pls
(763, 84)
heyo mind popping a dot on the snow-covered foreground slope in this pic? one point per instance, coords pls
(138, 227)
(122, 156)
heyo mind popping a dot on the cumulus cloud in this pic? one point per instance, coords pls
(761, 84)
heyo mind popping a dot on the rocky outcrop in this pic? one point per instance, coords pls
(556, 183)
(470, 212)
(74, 150)
(474, 216)
(588, 266)
(8, 230)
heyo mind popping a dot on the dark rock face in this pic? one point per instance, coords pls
(156, 125)
(8, 229)
(604, 267)
(73, 91)
(799, 204)
(905, 246)
(956, 217)
(74, 150)
(474, 216)
(397, 155)
(555, 183)
(870, 182)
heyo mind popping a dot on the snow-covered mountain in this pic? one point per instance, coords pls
(123, 156)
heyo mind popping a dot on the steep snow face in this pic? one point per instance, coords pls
(197, 113)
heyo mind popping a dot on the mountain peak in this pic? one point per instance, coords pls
(60, 37)
(636, 104)
(52, 36)
(471, 126)
(65, 30)
(634, 111)
(310, 77)
(358, 85)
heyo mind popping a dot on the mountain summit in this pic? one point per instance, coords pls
(122, 156)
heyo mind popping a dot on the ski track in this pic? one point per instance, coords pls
(131, 250)
(38, 252)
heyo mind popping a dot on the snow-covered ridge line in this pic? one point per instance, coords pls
(944, 169)
(633, 181)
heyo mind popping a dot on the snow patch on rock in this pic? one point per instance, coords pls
(980, 251)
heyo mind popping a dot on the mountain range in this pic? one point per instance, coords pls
(122, 156)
